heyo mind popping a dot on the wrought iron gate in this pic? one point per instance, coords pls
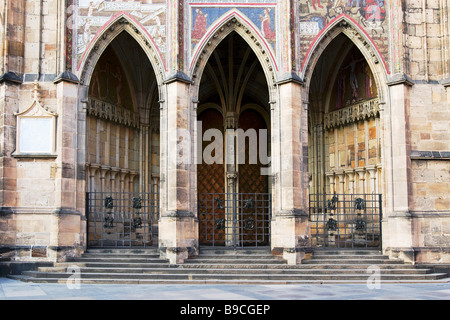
(234, 219)
(121, 219)
(345, 220)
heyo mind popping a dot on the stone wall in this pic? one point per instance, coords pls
(430, 171)
(42, 198)
(38, 194)
(427, 39)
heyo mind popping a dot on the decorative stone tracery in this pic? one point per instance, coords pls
(354, 113)
(108, 111)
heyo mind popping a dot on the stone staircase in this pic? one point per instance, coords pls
(224, 266)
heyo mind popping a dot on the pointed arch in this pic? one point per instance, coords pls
(344, 24)
(236, 21)
(105, 36)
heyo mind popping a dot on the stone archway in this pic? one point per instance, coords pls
(121, 90)
(233, 21)
(345, 86)
(234, 199)
(108, 33)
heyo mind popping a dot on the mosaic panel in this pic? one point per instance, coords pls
(263, 16)
(316, 15)
(92, 15)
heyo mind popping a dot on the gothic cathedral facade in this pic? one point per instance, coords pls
(286, 124)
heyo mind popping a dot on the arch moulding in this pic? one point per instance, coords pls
(233, 21)
(118, 24)
(346, 25)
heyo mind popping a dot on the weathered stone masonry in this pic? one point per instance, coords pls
(390, 135)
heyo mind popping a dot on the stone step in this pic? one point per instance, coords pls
(137, 259)
(350, 256)
(237, 251)
(218, 281)
(365, 252)
(123, 251)
(298, 267)
(229, 260)
(227, 276)
(106, 264)
(120, 256)
(352, 261)
(227, 270)
(219, 265)
(238, 259)
(228, 266)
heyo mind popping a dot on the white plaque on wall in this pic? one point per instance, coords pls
(36, 135)
(36, 131)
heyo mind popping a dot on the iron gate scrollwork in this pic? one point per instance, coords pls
(234, 219)
(345, 220)
(121, 219)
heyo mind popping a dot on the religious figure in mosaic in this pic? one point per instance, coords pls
(199, 25)
(266, 27)
(375, 11)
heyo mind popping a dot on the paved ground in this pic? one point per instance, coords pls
(17, 290)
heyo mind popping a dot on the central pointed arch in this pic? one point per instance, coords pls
(234, 79)
(234, 20)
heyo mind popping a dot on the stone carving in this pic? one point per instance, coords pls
(354, 113)
(110, 112)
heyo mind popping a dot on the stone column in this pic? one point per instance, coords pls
(9, 195)
(341, 178)
(379, 178)
(103, 171)
(113, 176)
(178, 225)
(231, 172)
(361, 180)
(290, 232)
(70, 181)
(372, 174)
(155, 201)
(122, 175)
(155, 183)
(231, 222)
(446, 84)
(351, 180)
(397, 227)
(133, 175)
(330, 176)
(93, 169)
(144, 158)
